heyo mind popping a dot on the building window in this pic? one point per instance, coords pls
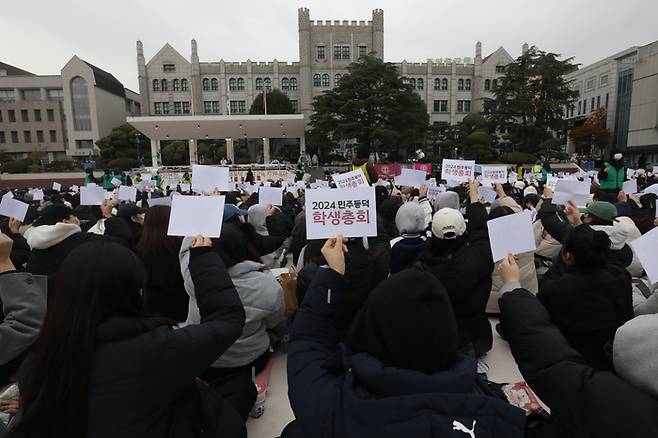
(460, 85)
(607, 98)
(56, 94)
(184, 85)
(27, 136)
(165, 107)
(342, 52)
(186, 107)
(285, 84)
(39, 136)
(165, 85)
(440, 106)
(603, 81)
(487, 85)
(31, 94)
(157, 107)
(214, 84)
(337, 78)
(156, 85)
(412, 82)
(241, 84)
(176, 85)
(592, 107)
(206, 84)
(80, 100)
(215, 107)
(463, 106)
(500, 69)
(2, 137)
(420, 84)
(238, 106)
(178, 108)
(316, 80)
(293, 83)
(363, 51)
(346, 52)
(598, 101)
(7, 95)
(295, 106)
(494, 84)
(589, 84)
(584, 106)
(267, 83)
(232, 84)
(169, 68)
(325, 80)
(319, 52)
(467, 106)
(53, 136)
(444, 84)
(579, 107)
(437, 84)
(1, 120)
(14, 136)
(12, 115)
(37, 115)
(467, 85)
(242, 106)
(50, 114)
(84, 144)
(259, 84)
(24, 116)
(207, 106)
(233, 106)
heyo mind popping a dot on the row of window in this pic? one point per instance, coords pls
(341, 52)
(25, 115)
(176, 85)
(582, 105)
(27, 136)
(164, 107)
(439, 83)
(32, 94)
(441, 106)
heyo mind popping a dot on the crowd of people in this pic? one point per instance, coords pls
(110, 327)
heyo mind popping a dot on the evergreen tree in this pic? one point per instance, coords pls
(277, 103)
(125, 144)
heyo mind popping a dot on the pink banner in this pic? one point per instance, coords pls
(386, 171)
(427, 167)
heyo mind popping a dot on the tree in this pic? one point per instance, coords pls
(477, 146)
(593, 133)
(373, 105)
(175, 153)
(124, 142)
(211, 151)
(277, 103)
(530, 100)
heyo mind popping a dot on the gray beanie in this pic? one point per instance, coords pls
(635, 350)
(410, 218)
(447, 200)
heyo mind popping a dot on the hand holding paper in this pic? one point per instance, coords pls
(511, 234)
(196, 215)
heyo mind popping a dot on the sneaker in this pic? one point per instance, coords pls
(258, 409)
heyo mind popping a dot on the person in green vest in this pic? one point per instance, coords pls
(520, 172)
(137, 179)
(186, 178)
(612, 175)
(107, 180)
(546, 171)
(89, 177)
(158, 179)
(536, 169)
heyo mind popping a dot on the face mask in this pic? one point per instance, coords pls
(140, 218)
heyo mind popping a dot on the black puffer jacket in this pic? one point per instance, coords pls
(466, 276)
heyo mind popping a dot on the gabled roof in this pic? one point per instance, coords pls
(106, 81)
(500, 50)
(14, 71)
(167, 48)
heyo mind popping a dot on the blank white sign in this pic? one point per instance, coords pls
(270, 195)
(196, 216)
(205, 179)
(511, 234)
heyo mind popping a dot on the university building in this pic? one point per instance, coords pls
(61, 115)
(171, 85)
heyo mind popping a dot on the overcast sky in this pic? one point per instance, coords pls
(41, 35)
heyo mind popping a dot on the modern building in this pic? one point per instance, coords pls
(62, 115)
(611, 83)
(643, 121)
(171, 85)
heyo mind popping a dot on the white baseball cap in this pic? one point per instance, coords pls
(448, 223)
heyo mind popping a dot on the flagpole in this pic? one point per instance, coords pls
(265, 98)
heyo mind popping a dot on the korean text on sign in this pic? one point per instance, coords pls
(350, 212)
(494, 174)
(350, 180)
(458, 170)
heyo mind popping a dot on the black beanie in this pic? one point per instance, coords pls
(407, 322)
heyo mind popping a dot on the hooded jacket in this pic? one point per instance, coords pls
(634, 353)
(335, 393)
(262, 300)
(584, 402)
(51, 244)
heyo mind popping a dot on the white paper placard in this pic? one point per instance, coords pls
(196, 216)
(494, 174)
(321, 183)
(57, 186)
(511, 234)
(630, 186)
(109, 195)
(458, 170)
(434, 191)
(127, 193)
(185, 187)
(11, 207)
(411, 178)
(92, 195)
(352, 179)
(116, 182)
(569, 190)
(645, 248)
(9, 195)
(205, 179)
(487, 193)
(300, 185)
(350, 212)
(146, 184)
(655, 170)
(630, 173)
(165, 200)
(270, 195)
(37, 194)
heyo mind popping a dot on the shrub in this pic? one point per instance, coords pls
(34, 168)
(519, 157)
(19, 166)
(122, 164)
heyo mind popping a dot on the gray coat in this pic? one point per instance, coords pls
(23, 298)
(262, 298)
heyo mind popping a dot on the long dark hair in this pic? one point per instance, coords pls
(154, 237)
(97, 280)
(590, 248)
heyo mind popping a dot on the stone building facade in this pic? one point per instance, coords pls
(171, 85)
